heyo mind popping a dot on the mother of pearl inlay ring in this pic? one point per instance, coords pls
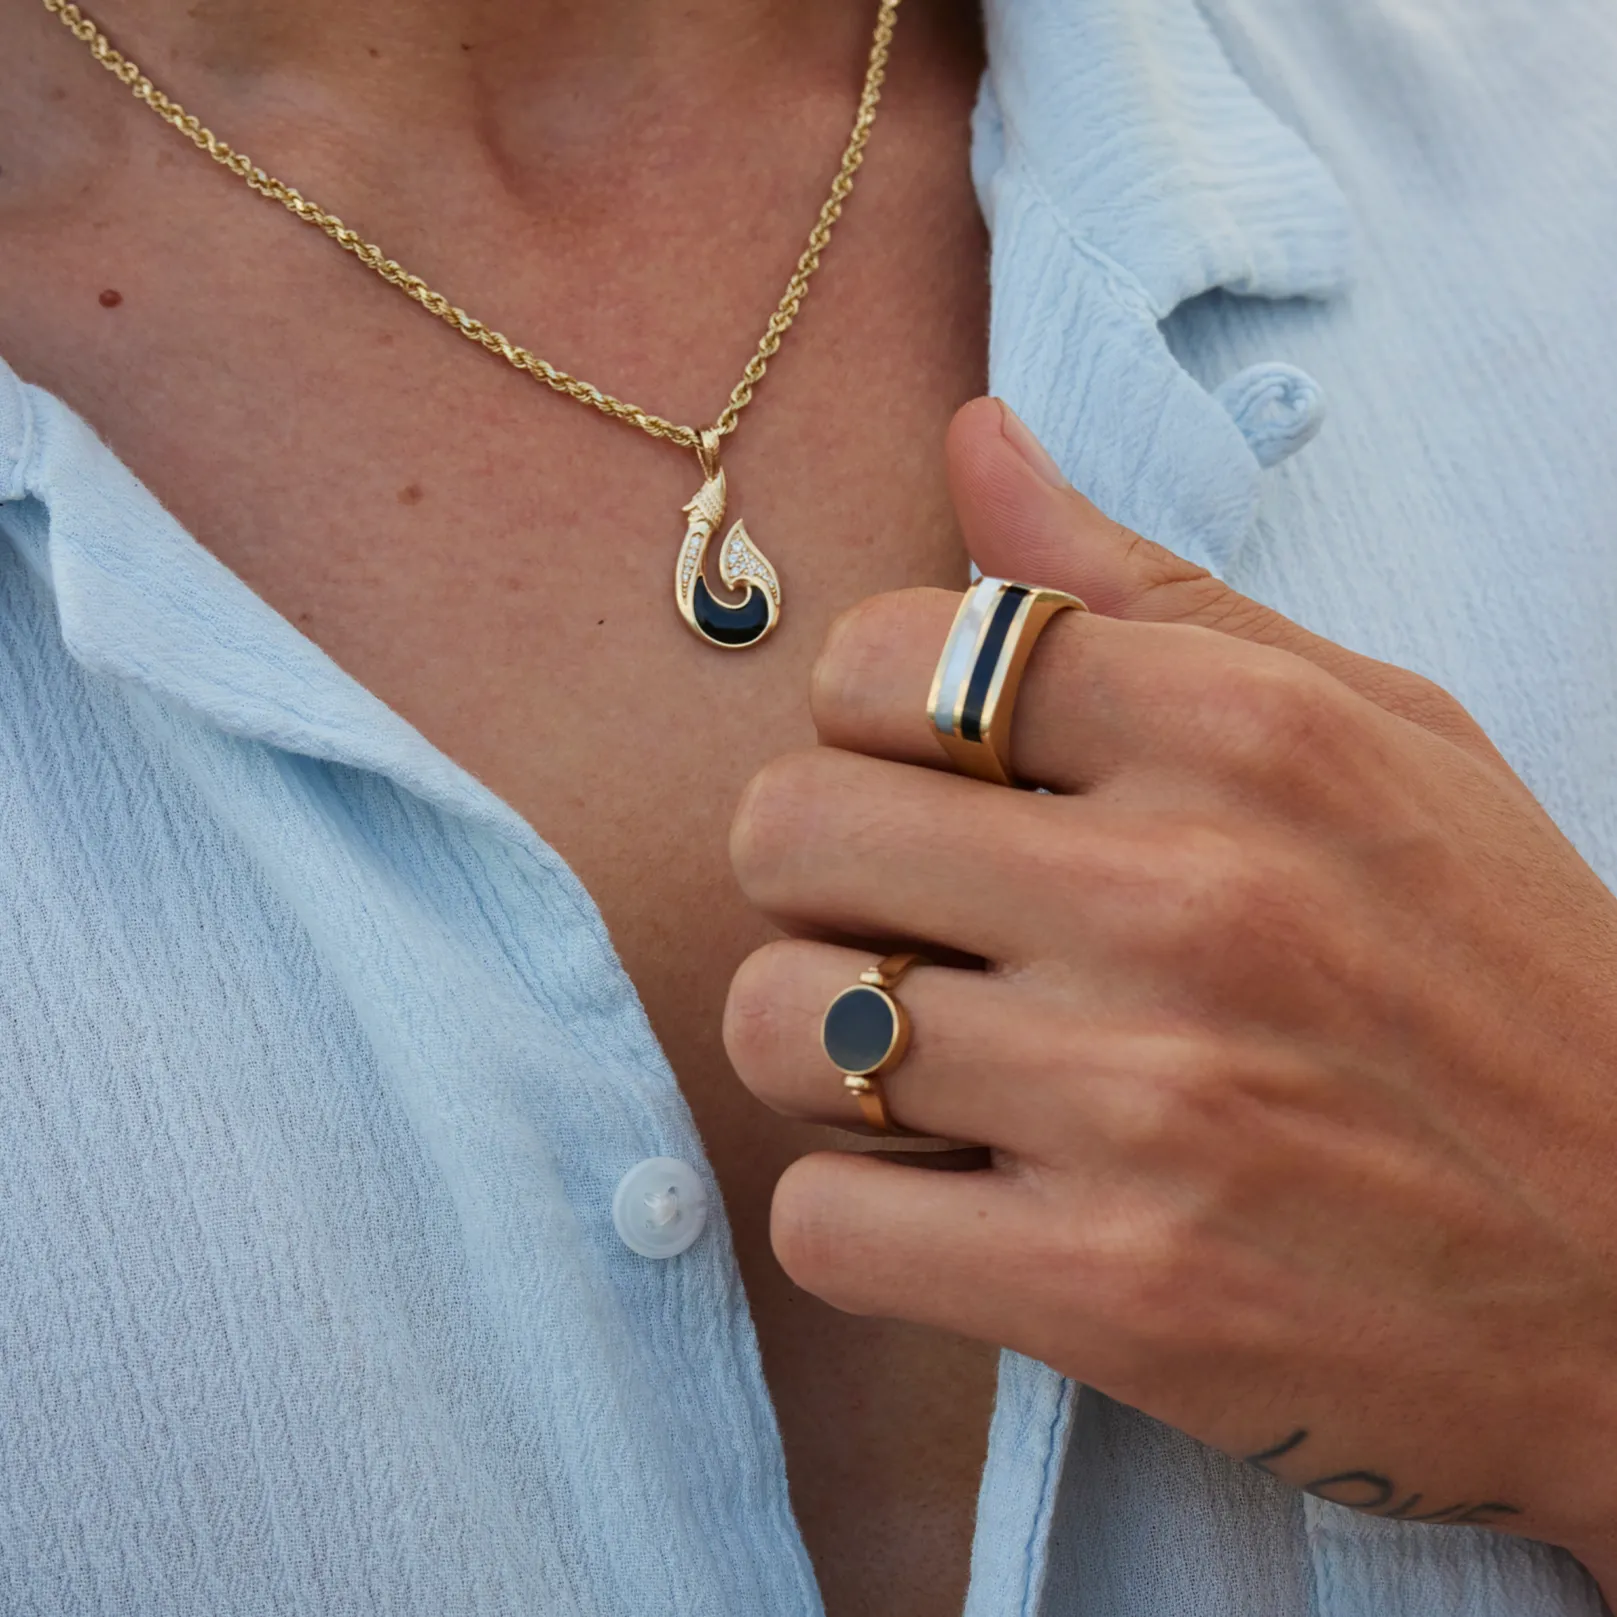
(974, 687)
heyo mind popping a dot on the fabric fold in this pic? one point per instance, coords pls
(1125, 167)
(140, 600)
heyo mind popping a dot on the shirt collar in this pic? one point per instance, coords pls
(1124, 167)
(138, 599)
(1155, 153)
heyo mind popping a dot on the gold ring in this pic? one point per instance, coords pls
(978, 674)
(865, 1032)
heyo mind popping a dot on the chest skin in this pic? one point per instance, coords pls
(495, 562)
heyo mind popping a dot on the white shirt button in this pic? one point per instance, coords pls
(659, 1207)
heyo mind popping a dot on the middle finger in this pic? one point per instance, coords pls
(841, 844)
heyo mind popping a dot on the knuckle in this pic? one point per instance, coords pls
(1426, 703)
(1171, 1090)
(1199, 1098)
(1210, 899)
(813, 1243)
(841, 673)
(759, 1006)
(1141, 1267)
(1226, 909)
(1159, 883)
(776, 815)
(1084, 864)
(1433, 708)
(1159, 569)
(854, 668)
(1209, 883)
(1236, 886)
(1267, 714)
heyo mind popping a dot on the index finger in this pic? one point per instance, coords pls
(1099, 693)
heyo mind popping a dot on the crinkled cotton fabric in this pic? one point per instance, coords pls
(317, 1069)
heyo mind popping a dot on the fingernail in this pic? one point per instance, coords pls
(1029, 447)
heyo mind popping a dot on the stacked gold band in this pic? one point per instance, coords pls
(975, 685)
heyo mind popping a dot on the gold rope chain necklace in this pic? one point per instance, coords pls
(742, 566)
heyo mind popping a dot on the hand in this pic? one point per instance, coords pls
(1295, 1046)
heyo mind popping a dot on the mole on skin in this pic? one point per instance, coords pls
(111, 298)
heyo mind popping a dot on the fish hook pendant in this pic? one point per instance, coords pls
(742, 566)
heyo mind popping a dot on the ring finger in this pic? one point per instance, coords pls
(984, 1063)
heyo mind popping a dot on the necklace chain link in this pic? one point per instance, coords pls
(84, 28)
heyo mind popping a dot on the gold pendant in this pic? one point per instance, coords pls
(742, 566)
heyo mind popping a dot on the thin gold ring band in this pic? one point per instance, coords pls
(979, 672)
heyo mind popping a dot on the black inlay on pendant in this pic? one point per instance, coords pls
(730, 625)
(982, 675)
(860, 1029)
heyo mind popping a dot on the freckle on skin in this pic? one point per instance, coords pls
(111, 298)
(411, 494)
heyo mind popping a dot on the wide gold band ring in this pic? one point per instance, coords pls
(980, 670)
(865, 1033)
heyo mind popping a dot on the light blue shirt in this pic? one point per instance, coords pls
(317, 1069)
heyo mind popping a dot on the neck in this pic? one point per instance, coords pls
(623, 43)
(552, 83)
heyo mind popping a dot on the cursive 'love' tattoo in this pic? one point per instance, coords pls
(1374, 1493)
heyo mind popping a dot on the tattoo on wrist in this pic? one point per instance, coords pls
(1373, 1493)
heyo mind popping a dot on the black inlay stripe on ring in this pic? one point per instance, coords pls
(982, 674)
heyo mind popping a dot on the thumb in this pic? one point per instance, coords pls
(1023, 520)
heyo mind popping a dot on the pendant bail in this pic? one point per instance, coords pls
(707, 451)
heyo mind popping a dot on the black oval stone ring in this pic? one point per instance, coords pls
(865, 1033)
